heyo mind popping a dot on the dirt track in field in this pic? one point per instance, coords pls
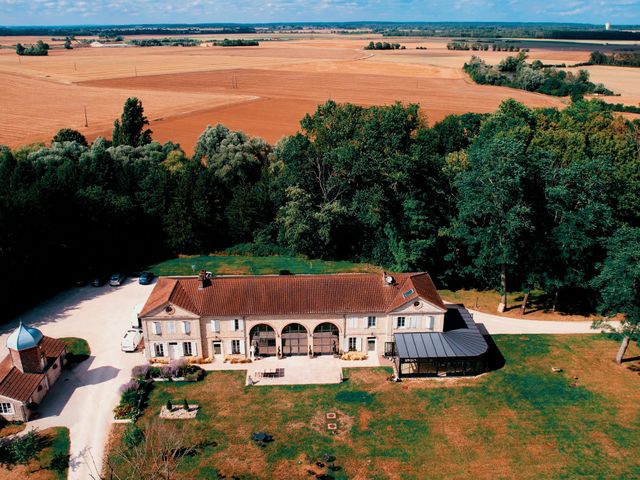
(263, 91)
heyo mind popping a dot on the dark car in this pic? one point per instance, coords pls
(117, 279)
(146, 278)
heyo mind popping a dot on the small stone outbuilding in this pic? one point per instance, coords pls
(33, 365)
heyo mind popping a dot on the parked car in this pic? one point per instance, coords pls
(146, 278)
(117, 279)
(131, 340)
(98, 281)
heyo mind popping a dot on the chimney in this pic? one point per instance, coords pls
(205, 279)
(388, 279)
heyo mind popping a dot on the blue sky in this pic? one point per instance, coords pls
(61, 12)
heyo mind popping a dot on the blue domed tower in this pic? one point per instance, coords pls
(25, 350)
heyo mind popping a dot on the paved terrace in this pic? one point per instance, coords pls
(300, 370)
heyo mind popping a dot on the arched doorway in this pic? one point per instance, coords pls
(326, 339)
(295, 340)
(263, 339)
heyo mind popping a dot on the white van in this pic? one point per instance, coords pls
(131, 340)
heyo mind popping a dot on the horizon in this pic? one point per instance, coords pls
(51, 13)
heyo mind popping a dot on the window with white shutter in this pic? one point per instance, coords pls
(186, 327)
(401, 322)
(187, 349)
(358, 344)
(215, 326)
(431, 321)
(371, 322)
(157, 330)
(171, 327)
(352, 322)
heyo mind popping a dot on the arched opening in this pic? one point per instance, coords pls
(326, 339)
(295, 340)
(263, 340)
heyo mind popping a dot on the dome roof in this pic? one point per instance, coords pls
(24, 338)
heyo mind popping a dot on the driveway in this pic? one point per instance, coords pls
(84, 397)
(496, 324)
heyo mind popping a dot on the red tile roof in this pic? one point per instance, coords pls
(17, 385)
(292, 294)
(20, 386)
(52, 347)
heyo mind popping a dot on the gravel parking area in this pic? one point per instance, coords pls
(83, 398)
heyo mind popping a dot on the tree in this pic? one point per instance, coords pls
(158, 456)
(619, 287)
(69, 135)
(26, 447)
(20, 50)
(130, 129)
(493, 214)
(67, 44)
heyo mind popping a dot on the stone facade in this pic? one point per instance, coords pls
(171, 332)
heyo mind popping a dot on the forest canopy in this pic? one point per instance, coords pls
(521, 198)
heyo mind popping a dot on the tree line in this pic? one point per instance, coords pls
(519, 199)
(515, 72)
(484, 46)
(624, 59)
(239, 42)
(165, 42)
(384, 46)
(38, 49)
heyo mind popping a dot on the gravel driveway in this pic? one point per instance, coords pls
(84, 397)
(496, 324)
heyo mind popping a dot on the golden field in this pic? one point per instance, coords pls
(262, 90)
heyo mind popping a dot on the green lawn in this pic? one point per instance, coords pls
(53, 442)
(521, 421)
(77, 349)
(243, 265)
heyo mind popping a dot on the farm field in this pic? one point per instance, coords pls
(262, 90)
(521, 421)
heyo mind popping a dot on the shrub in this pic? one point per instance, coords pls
(166, 371)
(178, 366)
(126, 411)
(354, 356)
(60, 462)
(185, 404)
(191, 369)
(169, 405)
(154, 372)
(133, 435)
(141, 372)
(26, 447)
(130, 386)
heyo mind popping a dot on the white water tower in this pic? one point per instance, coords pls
(607, 26)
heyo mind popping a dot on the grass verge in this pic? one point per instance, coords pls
(241, 265)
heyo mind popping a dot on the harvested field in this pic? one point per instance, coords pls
(184, 89)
